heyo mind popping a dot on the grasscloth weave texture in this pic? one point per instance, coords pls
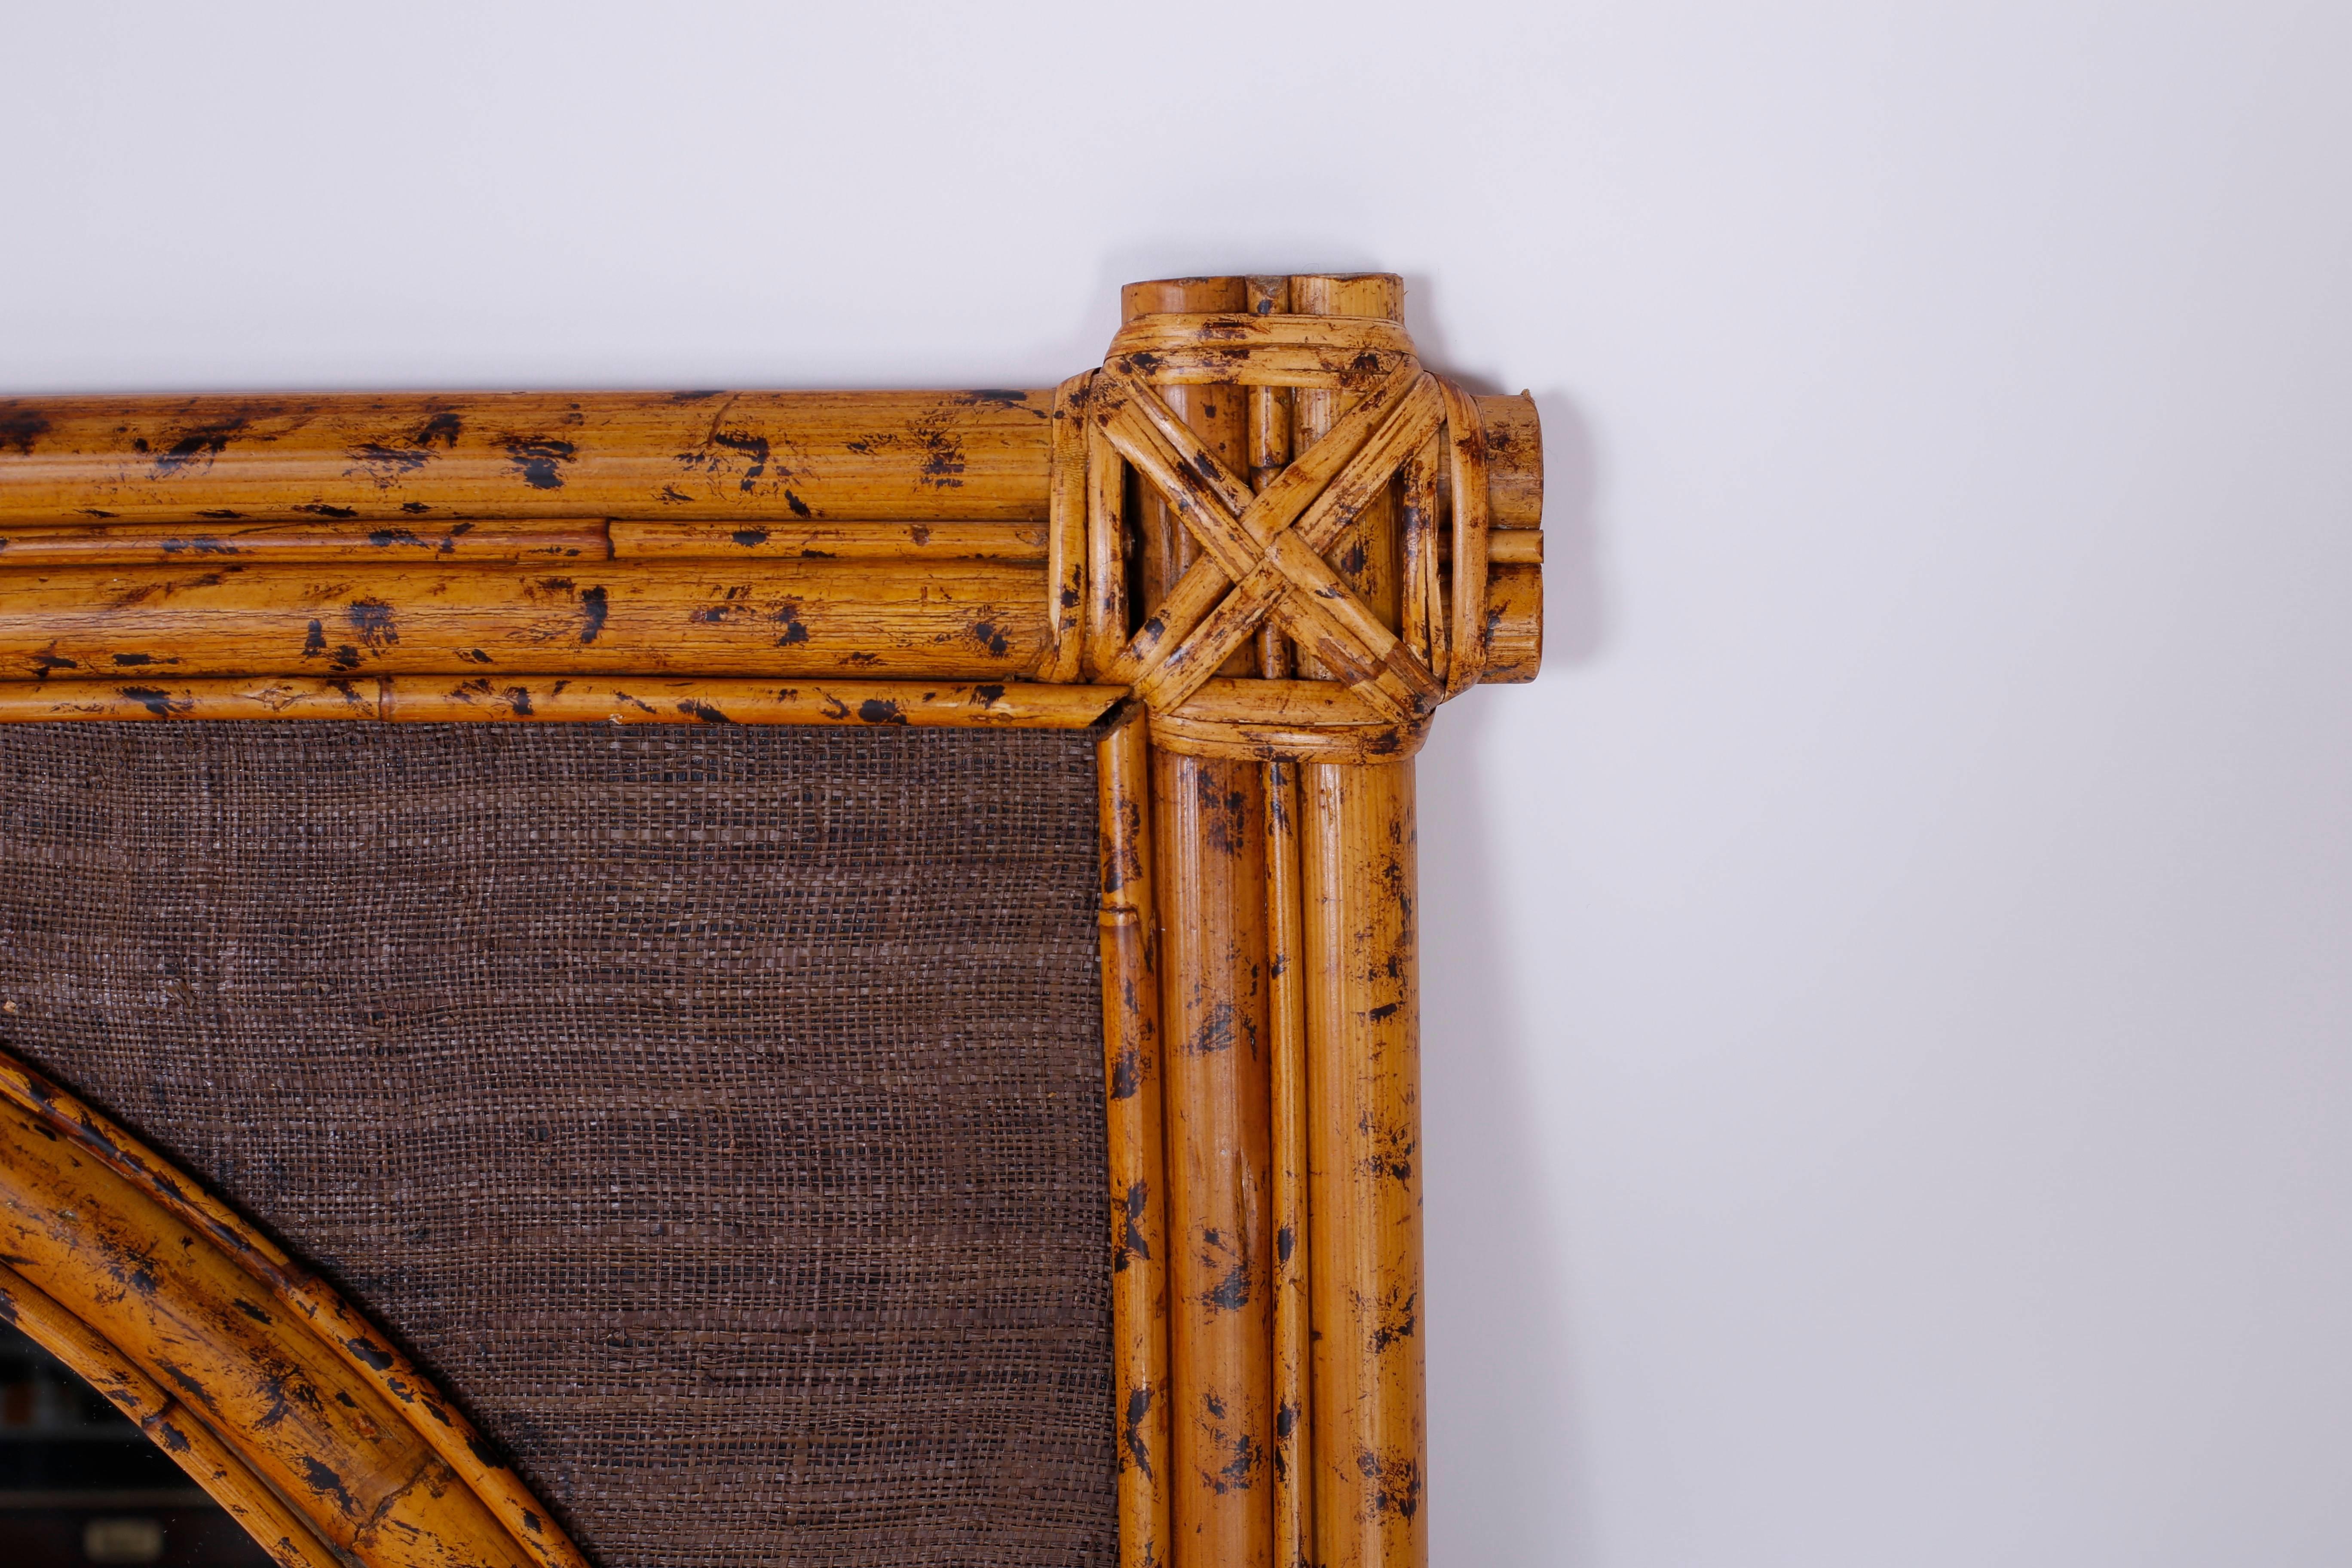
(716, 1112)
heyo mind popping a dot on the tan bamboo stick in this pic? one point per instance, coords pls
(1217, 412)
(1107, 615)
(1132, 1073)
(1466, 610)
(1365, 553)
(1514, 624)
(442, 699)
(537, 541)
(1514, 461)
(788, 455)
(1364, 1174)
(1209, 817)
(937, 620)
(1287, 1017)
(798, 540)
(1066, 531)
(1269, 451)
(1425, 613)
(1270, 425)
(282, 1533)
(1308, 704)
(1209, 833)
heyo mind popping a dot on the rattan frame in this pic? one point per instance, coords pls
(1251, 553)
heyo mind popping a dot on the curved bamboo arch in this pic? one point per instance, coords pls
(274, 1393)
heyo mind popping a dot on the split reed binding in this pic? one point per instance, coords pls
(1316, 607)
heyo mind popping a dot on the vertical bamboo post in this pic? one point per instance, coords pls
(1286, 981)
(1363, 1162)
(1269, 450)
(1216, 412)
(1208, 817)
(1131, 1058)
(1365, 554)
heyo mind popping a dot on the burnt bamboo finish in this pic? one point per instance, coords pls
(916, 457)
(462, 699)
(1255, 550)
(285, 1403)
(1367, 554)
(1133, 1076)
(1209, 815)
(1363, 1071)
(1293, 1414)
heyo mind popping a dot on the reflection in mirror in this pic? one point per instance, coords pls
(80, 1483)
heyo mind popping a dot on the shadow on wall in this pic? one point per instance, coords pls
(1506, 1482)
(1509, 1484)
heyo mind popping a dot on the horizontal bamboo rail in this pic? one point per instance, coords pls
(687, 517)
(652, 701)
(1023, 542)
(788, 456)
(934, 620)
(114, 545)
(513, 542)
(414, 459)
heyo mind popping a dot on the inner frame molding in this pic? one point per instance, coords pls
(1253, 552)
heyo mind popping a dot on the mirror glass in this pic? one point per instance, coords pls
(80, 1483)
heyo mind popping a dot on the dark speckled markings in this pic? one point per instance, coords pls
(541, 460)
(20, 428)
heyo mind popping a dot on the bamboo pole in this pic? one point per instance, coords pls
(1285, 970)
(1210, 820)
(797, 541)
(1218, 414)
(1364, 1176)
(1365, 551)
(1209, 832)
(548, 541)
(1065, 532)
(1514, 469)
(180, 495)
(1514, 624)
(1269, 452)
(422, 460)
(454, 700)
(1132, 1067)
(787, 456)
(926, 620)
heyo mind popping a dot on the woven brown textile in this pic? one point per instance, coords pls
(716, 1113)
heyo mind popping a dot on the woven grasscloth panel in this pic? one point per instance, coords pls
(716, 1112)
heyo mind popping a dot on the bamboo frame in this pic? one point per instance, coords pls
(1251, 554)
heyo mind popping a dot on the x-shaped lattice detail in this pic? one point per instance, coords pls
(1262, 554)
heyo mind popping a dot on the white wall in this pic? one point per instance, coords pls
(1890, 982)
